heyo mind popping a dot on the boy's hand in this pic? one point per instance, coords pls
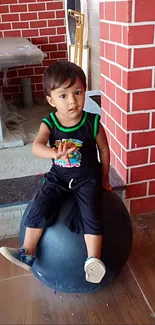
(106, 185)
(62, 152)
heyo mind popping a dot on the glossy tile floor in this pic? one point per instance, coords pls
(129, 300)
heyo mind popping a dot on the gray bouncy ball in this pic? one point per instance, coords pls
(61, 253)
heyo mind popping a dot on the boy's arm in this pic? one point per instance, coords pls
(104, 154)
(39, 147)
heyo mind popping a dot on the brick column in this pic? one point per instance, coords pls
(127, 43)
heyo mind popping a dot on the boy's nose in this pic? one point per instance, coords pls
(72, 99)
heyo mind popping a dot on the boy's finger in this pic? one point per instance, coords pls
(67, 161)
(60, 147)
(64, 146)
(70, 150)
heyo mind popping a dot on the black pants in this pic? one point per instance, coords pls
(47, 202)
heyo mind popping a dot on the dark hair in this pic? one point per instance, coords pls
(59, 72)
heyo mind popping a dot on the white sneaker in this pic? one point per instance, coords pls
(95, 270)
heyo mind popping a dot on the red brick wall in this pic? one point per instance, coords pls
(128, 95)
(43, 23)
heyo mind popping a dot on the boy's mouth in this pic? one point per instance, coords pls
(73, 109)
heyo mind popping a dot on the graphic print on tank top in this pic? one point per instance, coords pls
(75, 157)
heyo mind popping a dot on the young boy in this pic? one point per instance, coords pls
(72, 135)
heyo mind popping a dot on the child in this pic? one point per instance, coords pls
(72, 135)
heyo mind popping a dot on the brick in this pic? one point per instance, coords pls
(122, 136)
(137, 79)
(139, 35)
(102, 10)
(38, 24)
(102, 48)
(138, 122)
(30, 32)
(123, 56)
(152, 155)
(143, 100)
(143, 139)
(110, 124)
(57, 39)
(46, 15)
(152, 188)
(115, 146)
(36, 7)
(62, 46)
(10, 17)
(115, 33)
(48, 62)
(6, 1)
(12, 73)
(110, 90)
(144, 57)
(112, 159)
(104, 67)
(143, 12)
(115, 113)
(35, 79)
(40, 40)
(15, 81)
(25, 72)
(125, 35)
(60, 14)
(38, 94)
(104, 31)
(12, 33)
(49, 47)
(39, 70)
(109, 11)
(137, 157)
(4, 9)
(20, 25)
(39, 87)
(115, 74)
(55, 5)
(18, 8)
(47, 31)
(122, 99)
(28, 16)
(10, 89)
(103, 115)
(123, 11)
(144, 205)
(55, 22)
(122, 171)
(61, 30)
(136, 190)
(109, 52)
(103, 83)
(5, 26)
(142, 173)
(56, 55)
(153, 120)
(105, 103)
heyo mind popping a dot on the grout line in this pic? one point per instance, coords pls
(15, 277)
(143, 294)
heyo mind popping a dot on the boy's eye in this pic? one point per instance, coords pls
(78, 92)
(63, 96)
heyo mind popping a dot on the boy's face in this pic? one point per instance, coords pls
(69, 102)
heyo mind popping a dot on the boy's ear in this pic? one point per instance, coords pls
(50, 101)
